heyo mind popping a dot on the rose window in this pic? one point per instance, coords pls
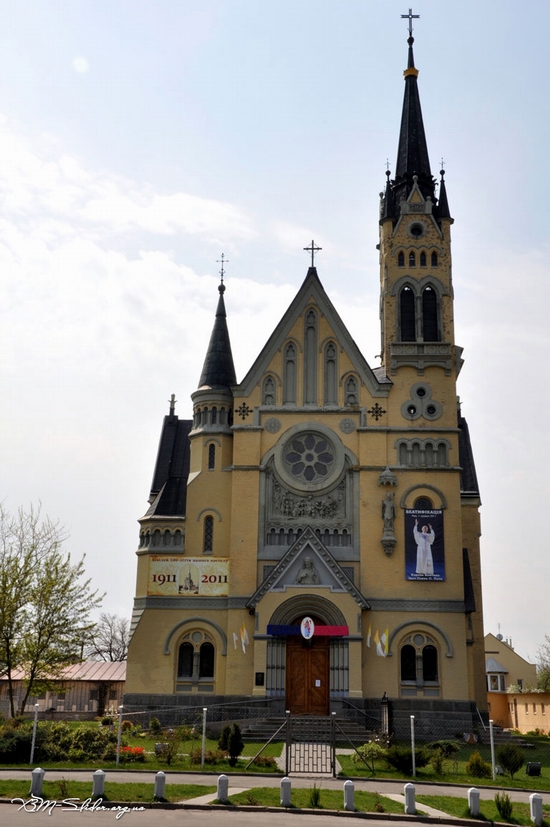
(309, 458)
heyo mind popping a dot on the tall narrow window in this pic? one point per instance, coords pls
(310, 359)
(401, 259)
(289, 383)
(412, 260)
(352, 397)
(268, 395)
(408, 663)
(422, 259)
(434, 260)
(185, 660)
(429, 663)
(430, 326)
(214, 415)
(206, 660)
(211, 456)
(331, 393)
(407, 315)
(208, 534)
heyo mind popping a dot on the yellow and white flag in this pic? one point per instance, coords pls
(244, 638)
(369, 633)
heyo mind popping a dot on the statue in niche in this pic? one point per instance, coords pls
(307, 576)
(388, 511)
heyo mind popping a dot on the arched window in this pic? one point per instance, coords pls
(407, 315)
(214, 415)
(412, 259)
(196, 660)
(185, 660)
(422, 259)
(211, 456)
(208, 535)
(289, 380)
(268, 394)
(310, 358)
(430, 326)
(423, 503)
(351, 391)
(434, 260)
(419, 666)
(331, 392)
(401, 259)
(206, 660)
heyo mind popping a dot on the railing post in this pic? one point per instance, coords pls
(333, 743)
(492, 739)
(287, 743)
(410, 805)
(349, 796)
(34, 727)
(535, 806)
(473, 802)
(286, 792)
(98, 789)
(160, 782)
(223, 789)
(204, 711)
(413, 747)
(37, 777)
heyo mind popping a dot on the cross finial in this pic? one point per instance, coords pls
(222, 262)
(410, 16)
(313, 249)
(173, 401)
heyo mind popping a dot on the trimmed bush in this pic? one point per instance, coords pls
(235, 745)
(400, 758)
(510, 757)
(477, 767)
(504, 805)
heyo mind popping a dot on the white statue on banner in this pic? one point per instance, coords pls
(424, 540)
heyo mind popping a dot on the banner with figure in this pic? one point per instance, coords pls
(424, 544)
(188, 576)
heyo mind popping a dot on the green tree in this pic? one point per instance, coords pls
(45, 603)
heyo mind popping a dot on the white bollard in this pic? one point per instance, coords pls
(349, 796)
(223, 789)
(535, 805)
(99, 784)
(37, 777)
(473, 802)
(410, 805)
(160, 783)
(286, 791)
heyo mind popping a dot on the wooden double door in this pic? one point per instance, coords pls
(307, 675)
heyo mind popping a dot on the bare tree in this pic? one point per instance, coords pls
(109, 639)
(543, 665)
(45, 603)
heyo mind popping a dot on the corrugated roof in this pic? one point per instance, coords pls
(88, 670)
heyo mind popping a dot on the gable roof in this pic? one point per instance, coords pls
(87, 670)
(311, 289)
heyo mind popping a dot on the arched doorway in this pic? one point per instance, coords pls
(307, 672)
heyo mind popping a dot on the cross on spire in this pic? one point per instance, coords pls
(312, 249)
(410, 16)
(222, 262)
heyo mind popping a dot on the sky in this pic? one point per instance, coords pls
(141, 140)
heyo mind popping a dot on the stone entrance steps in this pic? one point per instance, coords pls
(306, 728)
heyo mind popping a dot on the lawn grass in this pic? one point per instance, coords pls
(459, 807)
(329, 800)
(82, 790)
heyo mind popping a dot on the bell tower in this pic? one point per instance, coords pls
(416, 306)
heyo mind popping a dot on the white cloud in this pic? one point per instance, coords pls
(81, 65)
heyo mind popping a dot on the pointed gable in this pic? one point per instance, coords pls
(311, 291)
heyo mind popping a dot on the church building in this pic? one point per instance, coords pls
(312, 538)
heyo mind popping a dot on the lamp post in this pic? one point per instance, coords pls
(119, 739)
(34, 727)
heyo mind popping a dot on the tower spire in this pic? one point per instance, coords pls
(412, 151)
(218, 370)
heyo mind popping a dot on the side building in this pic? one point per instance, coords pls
(312, 540)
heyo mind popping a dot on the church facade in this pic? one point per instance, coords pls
(313, 532)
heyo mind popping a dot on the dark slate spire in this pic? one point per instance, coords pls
(218, 369)
(443, 206)
(412, 152)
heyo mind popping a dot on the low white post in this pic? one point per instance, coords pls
(37, 777)
(160, 783)
(286, 792)
(223, 789)
(473, 802)
(492, 740)
(410, 805)
(349, 796)
(98, 790)
(535, 805)
(204, 711)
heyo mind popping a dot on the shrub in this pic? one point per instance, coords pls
(155, 727)
(77, 755)
(400, 758)
(126, 726)
(106, 721)
(211, 756)
(504, 805)
(368, 754)
(265, 761)
(315, 796)
(437, 761)
(477, 767)
(15, 744)
(510, 757)
(133, 754)
(223, 740)
(446, 747)
(235, 745)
